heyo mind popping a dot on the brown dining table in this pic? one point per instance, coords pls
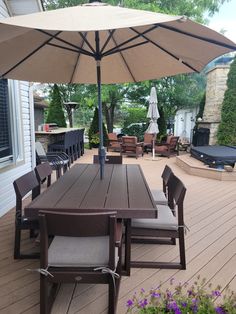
(123, 189)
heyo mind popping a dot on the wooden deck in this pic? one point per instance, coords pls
(210, 213)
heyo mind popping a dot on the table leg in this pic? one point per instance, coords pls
(126, 269)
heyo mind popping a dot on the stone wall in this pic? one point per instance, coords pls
(216, 86)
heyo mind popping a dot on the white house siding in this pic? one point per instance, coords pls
(10, 173)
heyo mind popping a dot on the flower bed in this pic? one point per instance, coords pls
(183, 300)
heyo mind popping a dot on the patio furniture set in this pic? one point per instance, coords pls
(84, 223)
(129, 145)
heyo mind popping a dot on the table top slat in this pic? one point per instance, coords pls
(78, 192)
(97, 193)
(138, 191)
(118, 193)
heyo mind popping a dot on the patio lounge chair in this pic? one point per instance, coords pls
(148, 142)
(109, 159)
(23, 185)
(165, 226)
(131, 147)
(113, 142)
(169, 148)
(86, 249)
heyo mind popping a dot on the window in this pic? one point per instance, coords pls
(11, 143)
(5, 134)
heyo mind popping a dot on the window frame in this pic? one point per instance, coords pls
(15, 126)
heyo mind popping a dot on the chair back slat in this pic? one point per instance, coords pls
(76, 224)
(39, 149)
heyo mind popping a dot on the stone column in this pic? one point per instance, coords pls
(215, 89)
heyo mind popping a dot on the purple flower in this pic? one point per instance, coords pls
(184, 304)
(143, 303)
(156, 295)
(172, 305)
(129, 303)
(142, 290)
(219, 310)
(216, 293)
(169, 294)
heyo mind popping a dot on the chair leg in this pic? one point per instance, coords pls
(44, 308)
(112, 297)
(182, 248)
(17, 243)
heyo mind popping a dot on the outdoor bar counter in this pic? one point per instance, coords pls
(52, 136)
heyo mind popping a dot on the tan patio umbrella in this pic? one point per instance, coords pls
(72, 45)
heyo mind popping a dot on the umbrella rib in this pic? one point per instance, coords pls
(212, 41)
(87, 42)
(165, 50)
(125, 62)
(69, 49)
(126, 48)
(81, 50)
(30, 54)
(108, 39)
(130, 40)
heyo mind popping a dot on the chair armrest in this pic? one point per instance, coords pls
(119, 231)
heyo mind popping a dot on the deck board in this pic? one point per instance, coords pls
(210, 213)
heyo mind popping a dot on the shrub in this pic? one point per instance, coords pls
(93, 132)
(183, 300)
(55, 111)
(227, 128)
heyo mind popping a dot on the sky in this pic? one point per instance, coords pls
(225, 19)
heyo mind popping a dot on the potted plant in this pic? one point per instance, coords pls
(94, 140)
(183, 299)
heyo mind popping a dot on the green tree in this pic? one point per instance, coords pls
(55, 111)
(93, 132)
(227, 128)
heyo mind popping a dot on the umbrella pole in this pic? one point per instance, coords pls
(101, 150)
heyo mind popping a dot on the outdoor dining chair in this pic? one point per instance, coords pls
(23, 185)
(166, 226)
(161, 196)
(110, 159)
(65, 145)
(86, 248)
(43, 172)
(57, 160)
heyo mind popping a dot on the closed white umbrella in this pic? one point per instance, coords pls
(153, 114)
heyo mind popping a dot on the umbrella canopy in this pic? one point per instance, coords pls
(61, 46)
(153, 112)
(71, 45)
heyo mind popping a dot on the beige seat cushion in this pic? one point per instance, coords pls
(80, 252)
(166, 220)
(159, 197)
